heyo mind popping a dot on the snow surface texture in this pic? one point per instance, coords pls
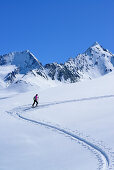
(72, 128)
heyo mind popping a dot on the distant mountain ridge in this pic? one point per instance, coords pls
(94, 62)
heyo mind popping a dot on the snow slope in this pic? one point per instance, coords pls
(72, 128)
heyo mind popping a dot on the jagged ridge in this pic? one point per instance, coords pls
(94, 62)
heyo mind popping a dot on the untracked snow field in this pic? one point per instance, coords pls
(71, 129)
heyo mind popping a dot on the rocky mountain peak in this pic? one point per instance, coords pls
(96, 44)
(24, 60)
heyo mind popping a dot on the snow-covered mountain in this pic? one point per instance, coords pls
(20, 66)
(14, 66)
(94, 62)
(25, 61)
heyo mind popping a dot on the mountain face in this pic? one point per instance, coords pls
(62, 73)
(14, 66)
(94, 62)
(24, 61)
(18, 66)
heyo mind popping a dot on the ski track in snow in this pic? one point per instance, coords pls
(102, 156)
(71, 101)
(104, 160)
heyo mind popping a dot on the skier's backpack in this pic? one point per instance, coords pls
(34, 98)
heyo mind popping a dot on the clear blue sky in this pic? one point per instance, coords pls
(54, 30)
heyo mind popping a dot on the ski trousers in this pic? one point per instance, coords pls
(35, 101)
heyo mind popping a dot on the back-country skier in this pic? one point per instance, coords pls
(35, 98)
